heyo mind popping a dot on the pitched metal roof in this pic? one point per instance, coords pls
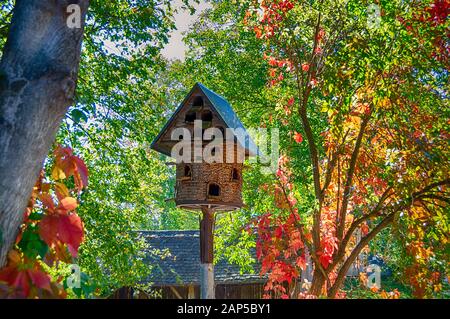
(175, 258)
(226, 113)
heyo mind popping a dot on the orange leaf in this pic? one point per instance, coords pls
(364, 229)
(301, 262)
(67, 229)
(68, 203)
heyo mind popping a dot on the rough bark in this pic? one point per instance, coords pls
(317, 283)
(38, 74)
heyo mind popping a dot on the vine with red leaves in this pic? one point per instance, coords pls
(51, 232)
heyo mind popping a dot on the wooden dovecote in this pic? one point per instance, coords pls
(211, 173)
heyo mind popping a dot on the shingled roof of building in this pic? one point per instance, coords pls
(175, 258)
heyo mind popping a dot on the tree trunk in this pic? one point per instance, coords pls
(317, 283)
(38, 74)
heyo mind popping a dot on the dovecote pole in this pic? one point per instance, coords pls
(203, 184)
(207, 290)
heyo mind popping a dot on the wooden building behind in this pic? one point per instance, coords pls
(175, 262)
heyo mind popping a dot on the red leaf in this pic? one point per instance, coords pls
(70, 230)
(325, 259)
(305, 67)
(298, 137)
(82, 171)
(48, 229)
(40, 279)
(273, 61)
(62, 152)
(291, 101)
(279, 232)
(22, 282)
(8, 274)
(47, 201)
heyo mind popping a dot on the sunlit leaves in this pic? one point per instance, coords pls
(382, 91)
(70, 165)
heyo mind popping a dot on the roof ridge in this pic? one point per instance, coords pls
(202, 86)
(170, 233)
(169, 230)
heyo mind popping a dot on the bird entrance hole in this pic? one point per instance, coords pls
(190, 117)
(198, 102)
(213, 190)
(235, 175)
(207, 116)
(187, 171)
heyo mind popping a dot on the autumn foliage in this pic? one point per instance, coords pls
(382, 159)
(51, 232)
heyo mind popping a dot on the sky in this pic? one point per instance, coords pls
(176, 48)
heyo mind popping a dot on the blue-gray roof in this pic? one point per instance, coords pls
(175, 260)
(226, 113)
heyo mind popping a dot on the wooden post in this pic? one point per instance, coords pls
(207, 254)
(191, 292)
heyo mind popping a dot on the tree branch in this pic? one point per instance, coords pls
(375, 212)
(311, 143)
(355, 253)
(349, 179)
